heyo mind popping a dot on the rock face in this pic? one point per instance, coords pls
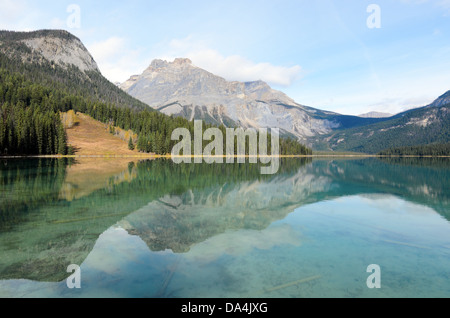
(441, 100)
(59, 47)
(182, 89)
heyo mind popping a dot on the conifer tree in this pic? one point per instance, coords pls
(130, 144)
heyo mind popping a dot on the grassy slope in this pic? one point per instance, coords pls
(90, 138)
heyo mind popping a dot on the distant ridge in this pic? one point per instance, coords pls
(415, 127)
(375, 115)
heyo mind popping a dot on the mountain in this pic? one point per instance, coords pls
(375, 115)
(441, 100)
(58, 59)
(182, 89)
(49, 72)
(415, 127)
(43, 73)
(57, 46)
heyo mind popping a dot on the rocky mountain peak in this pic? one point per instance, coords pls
(182, 89)
(182, 61)
(57, 46)
(157, 63)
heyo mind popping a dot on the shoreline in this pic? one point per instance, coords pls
(153, 156)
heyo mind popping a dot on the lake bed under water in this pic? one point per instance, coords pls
(156, 229)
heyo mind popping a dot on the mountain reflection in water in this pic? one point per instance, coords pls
(54, 210)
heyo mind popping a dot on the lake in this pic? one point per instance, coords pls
(157, 229)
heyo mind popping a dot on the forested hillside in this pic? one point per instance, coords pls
(420, 151)
(33, 92)
(420, 126)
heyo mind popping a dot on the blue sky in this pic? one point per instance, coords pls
(321, 53)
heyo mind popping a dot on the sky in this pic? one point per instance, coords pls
(346, 56)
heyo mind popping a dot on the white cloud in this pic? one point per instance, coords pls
(108, 49)
(240, 242)
(57, 23)
(23, 15)
(396, 105)
(397, 94)
(12, 9)
(239, 68)
(15, 15)
(232, 68)
(116, 60)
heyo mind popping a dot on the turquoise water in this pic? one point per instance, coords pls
(157, 229)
